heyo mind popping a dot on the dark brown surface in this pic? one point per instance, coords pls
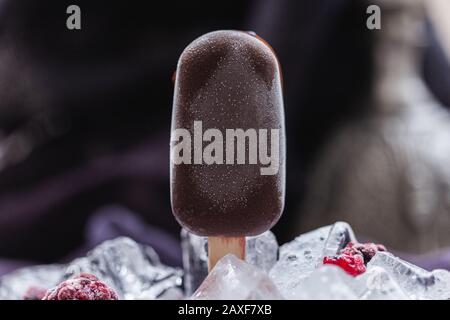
(228, 80)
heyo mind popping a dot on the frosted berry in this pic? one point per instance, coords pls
(367, 250)
(83, 287)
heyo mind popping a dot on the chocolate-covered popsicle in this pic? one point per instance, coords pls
(228, 136)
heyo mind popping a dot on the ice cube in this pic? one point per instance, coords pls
(340, 234)
(172, 294)
(311, 241)
(327, 282)
(416, 282)
(195, 260)
(234, 279)
(300, 257)
(260, 251)
(14, 285)
(441, 288)
(377, 284)
(133, 270)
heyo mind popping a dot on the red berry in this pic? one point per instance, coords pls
(83, 287)
(355, 256)
(350, 250)
(352, 264)
(367, 250)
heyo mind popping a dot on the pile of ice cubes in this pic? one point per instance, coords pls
(132, 270)
(292, 271)
(300, 274)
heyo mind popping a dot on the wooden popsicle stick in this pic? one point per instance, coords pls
(221, 246)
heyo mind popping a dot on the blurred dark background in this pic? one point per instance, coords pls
(85, 114)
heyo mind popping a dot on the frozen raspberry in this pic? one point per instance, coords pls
(83, 287)
(367, 250)
(352, 264)
(34, 293)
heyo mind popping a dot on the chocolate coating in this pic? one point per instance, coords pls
(228, 80)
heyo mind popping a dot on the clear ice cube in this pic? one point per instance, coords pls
(340, 234)
(325, 283)
(172, 294)
(261, 251)
(133, 270)
(416, 282)
(441, 288)
(195, 260)
(234, 279)
(377, 284)
(310, 241)
(300, 257)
